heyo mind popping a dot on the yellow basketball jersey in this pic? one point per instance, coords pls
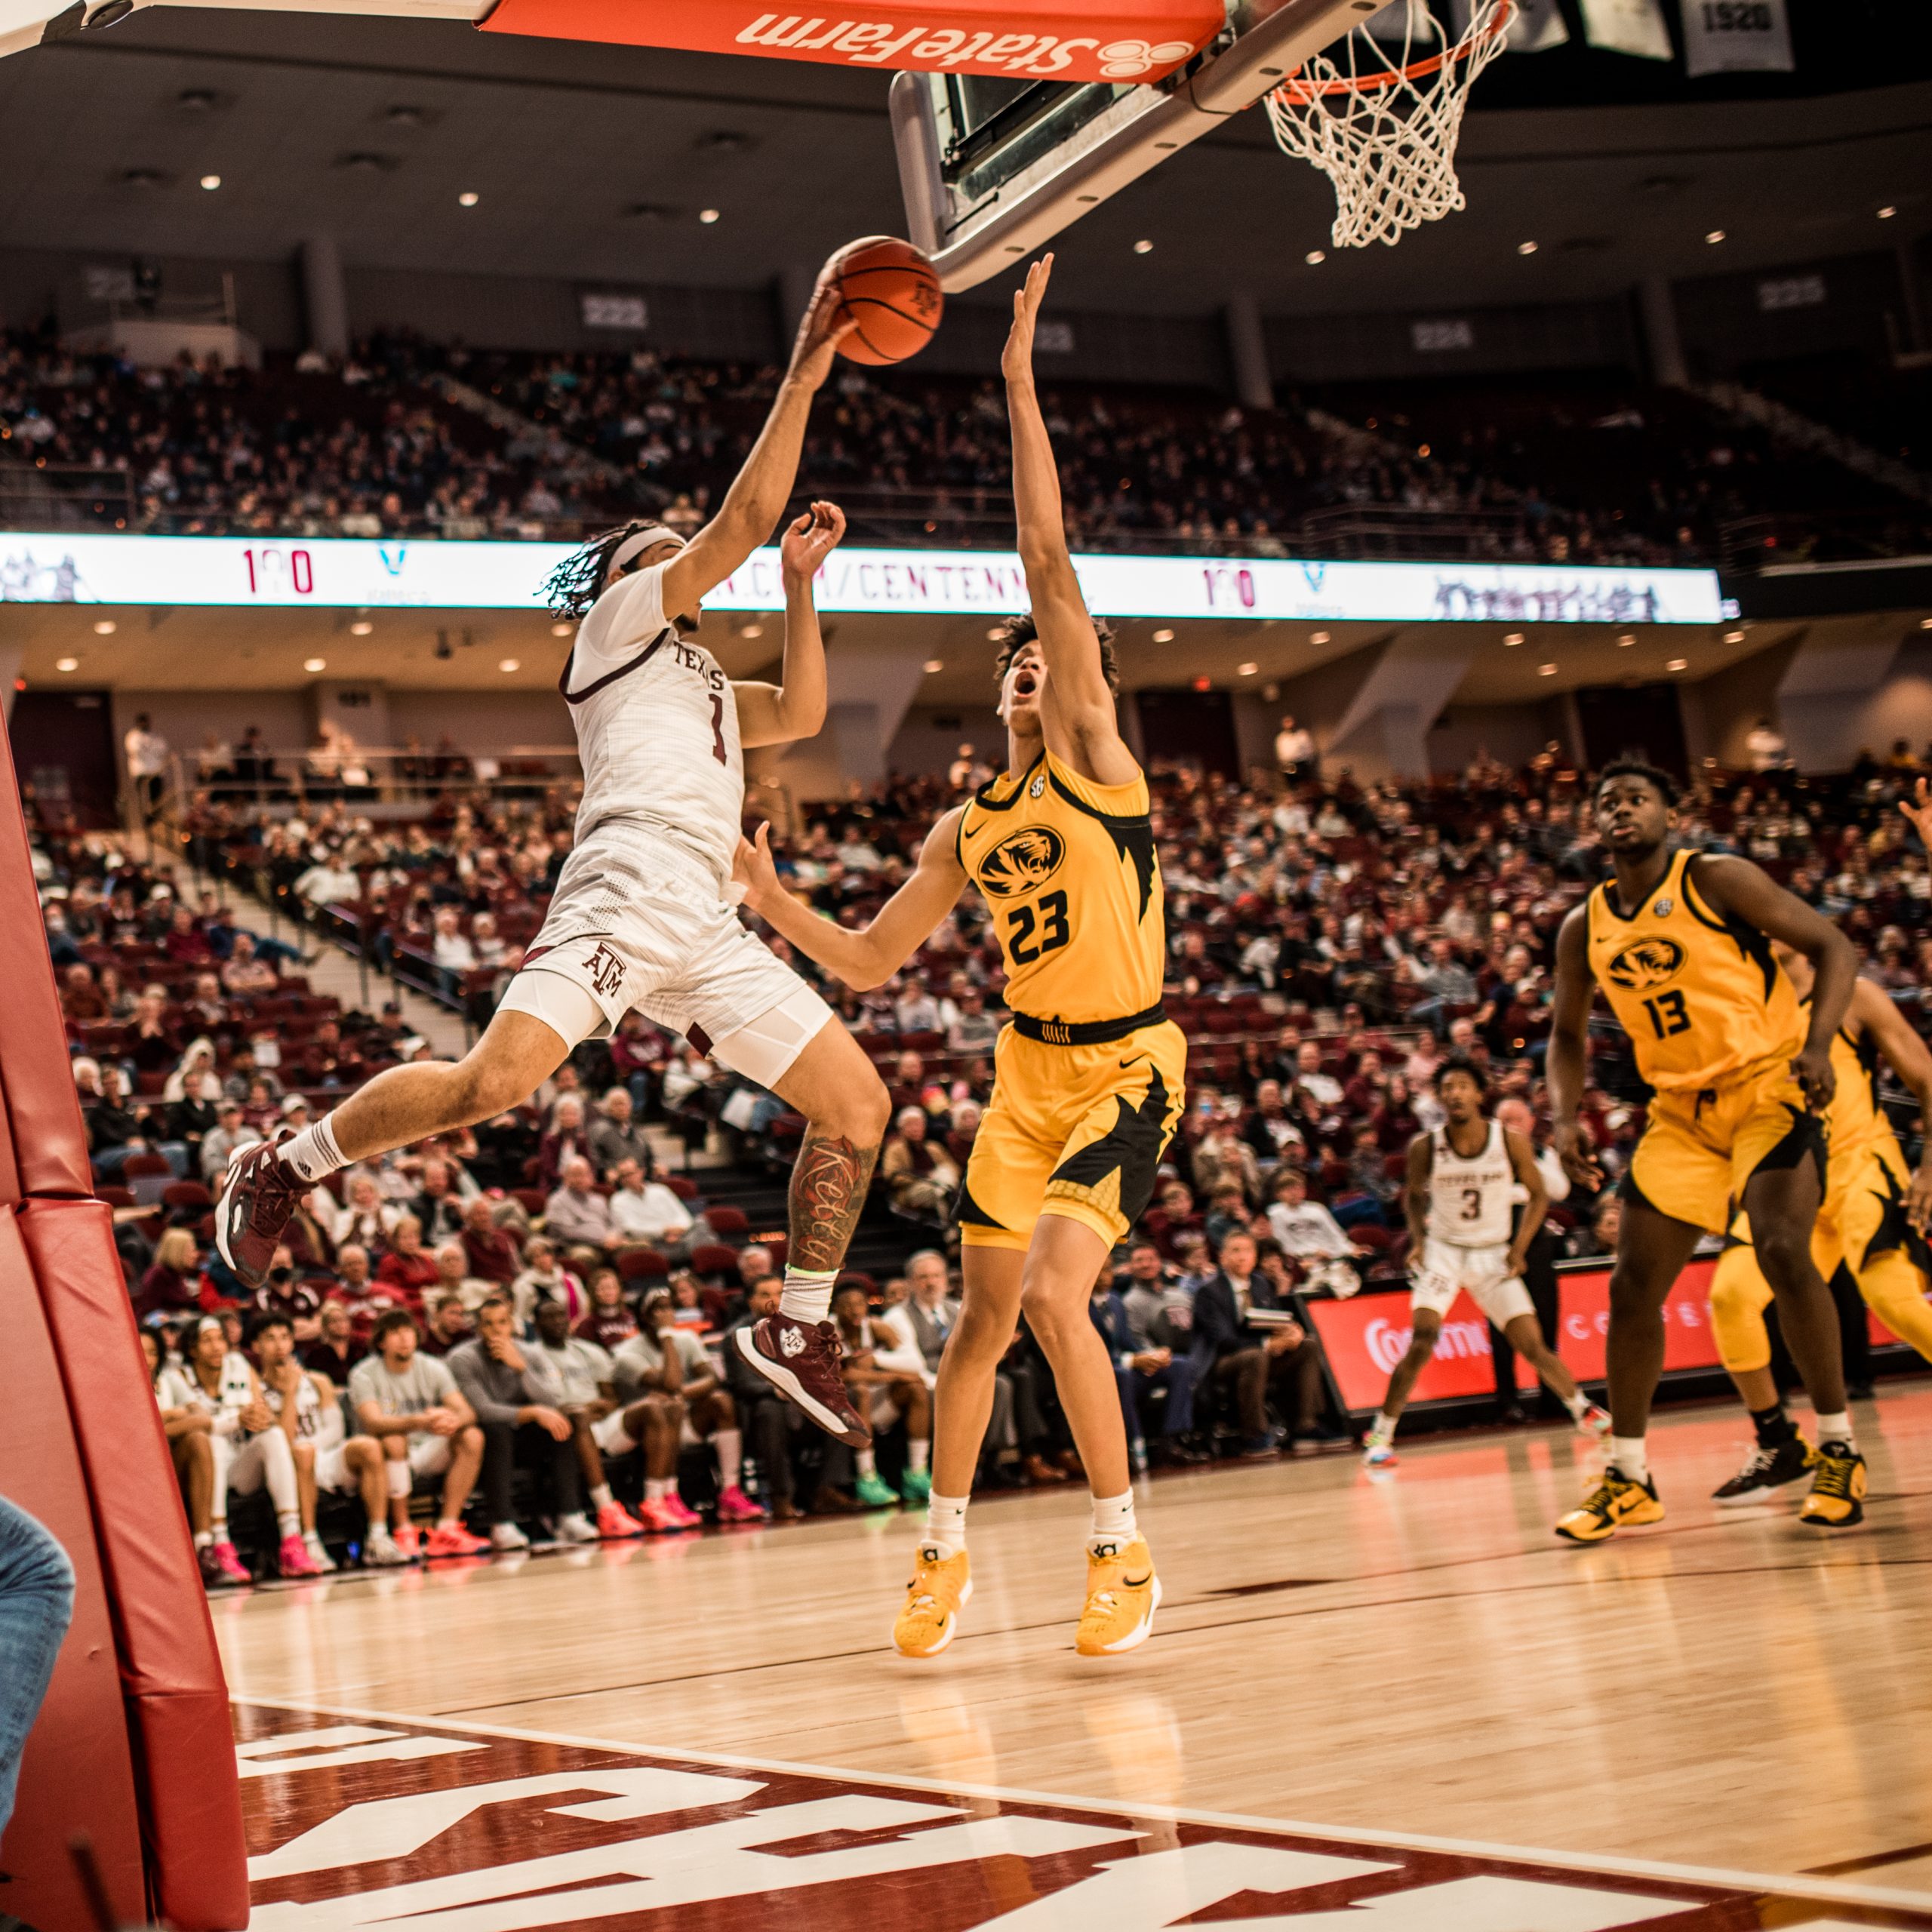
(1856, 1118)
(1068, 868)
(1702, 997)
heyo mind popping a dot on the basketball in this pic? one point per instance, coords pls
(889, 288)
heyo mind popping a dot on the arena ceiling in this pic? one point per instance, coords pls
(370, 129)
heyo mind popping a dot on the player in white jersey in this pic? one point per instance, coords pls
(645, 913)
(1461, 1180)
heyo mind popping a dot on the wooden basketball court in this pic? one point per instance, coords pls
(1397, 1703)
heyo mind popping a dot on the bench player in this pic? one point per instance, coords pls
(1874, 1220)
(1460, 1178)
(1088, 1077)
(643, 914)
(1679, 943)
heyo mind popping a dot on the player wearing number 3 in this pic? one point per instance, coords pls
(1679, 943)
(1088, 1081)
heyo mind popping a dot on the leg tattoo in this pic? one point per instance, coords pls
(828, 1186)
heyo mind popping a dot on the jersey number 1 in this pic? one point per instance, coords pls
(717, 729)
(1668, 1015)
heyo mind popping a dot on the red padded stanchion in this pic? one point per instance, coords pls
(76, 1775)
(177, 1698)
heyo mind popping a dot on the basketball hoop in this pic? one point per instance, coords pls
(1386, 139)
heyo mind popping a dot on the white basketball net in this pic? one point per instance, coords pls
(1388, 144)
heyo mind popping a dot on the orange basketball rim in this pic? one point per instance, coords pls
(1057, 40)
(1299, 91)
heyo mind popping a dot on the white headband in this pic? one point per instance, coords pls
(636, 544)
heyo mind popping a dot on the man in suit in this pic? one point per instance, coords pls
(926, 1317)
(1248, 1358)
(1139, 1371)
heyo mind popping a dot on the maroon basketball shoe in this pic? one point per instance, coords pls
(800, 1359)
(257, 1198)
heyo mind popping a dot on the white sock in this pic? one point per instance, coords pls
(1383, 1429)
(312, 1538)
(868, 1462)
(287, 1523)
(379, 1535)
(401, 1481)
(218, 1530)
(313, 1153)
(945, 1523)
(730, 1444)
(1578, 1403)
(601, 1497)
(1628, 1455)
(448, 1523)
(656, 1488)
(1113, 1523)
(807, 1295)
(204, 1539)
(1834, 1429)
(917, 1453)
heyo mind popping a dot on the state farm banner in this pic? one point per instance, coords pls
(1060, 40)
(70, 566)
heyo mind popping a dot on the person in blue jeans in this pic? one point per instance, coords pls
(1138, 1372)
(36, 1606)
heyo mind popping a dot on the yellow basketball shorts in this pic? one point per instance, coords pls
(1862, 1224)
(1072, 1130)
(1700, 1148)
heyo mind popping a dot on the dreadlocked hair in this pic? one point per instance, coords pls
(1013, 635)
(576, 583)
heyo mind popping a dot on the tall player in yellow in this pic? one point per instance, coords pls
(1874, 1220)
(1680, 943)
(1088, 1077)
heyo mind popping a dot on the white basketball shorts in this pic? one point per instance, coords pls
(1445, 1271)
(637, 922)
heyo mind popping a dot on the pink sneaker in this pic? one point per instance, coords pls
(452, 1539)
(735, 1507)
(409, 1540)
(230, 1566)
(614, 1522)
(657, 1518)
(683, 1516)
(293, 1558)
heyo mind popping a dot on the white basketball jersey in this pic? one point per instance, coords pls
(1469, 1195)
(308, 1408)
(231, 1395)
(656, 725)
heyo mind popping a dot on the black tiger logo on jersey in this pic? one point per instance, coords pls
(1019, 863)
(1647, 962)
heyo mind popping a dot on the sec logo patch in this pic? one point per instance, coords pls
(1021, 861)
(1647, 962)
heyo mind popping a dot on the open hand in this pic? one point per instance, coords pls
(1015, 362)
(1918, 809)
(809, 540)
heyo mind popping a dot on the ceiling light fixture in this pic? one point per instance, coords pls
(934, 664)
(315, 663)
(751, 630)
(1626, 640)
(361, 627)
(1714, 237)
(1318, 637)
(1678, 664)
(1164, 637)
(1545, 670)
(1144, 247)
(66, 664)
(997, 635)
(707, 216)
(468, 199)
(1511, 639)
(1247, 670)
(510, 664)
(1733, 637)
(1886, 213)
(104, 627)
(210, 181)
(1315, 256)
(560, 630)
(1526, 248)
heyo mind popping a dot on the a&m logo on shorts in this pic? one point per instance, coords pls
(1022, 861)
(606, 970)
(1647, 962)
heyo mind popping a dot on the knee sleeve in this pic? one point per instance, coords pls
(400, 1481)
(1740, 1295)
(1895, 1291)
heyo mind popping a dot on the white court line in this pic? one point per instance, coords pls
(1799, 1885)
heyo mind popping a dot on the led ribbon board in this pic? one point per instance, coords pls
(62, 566)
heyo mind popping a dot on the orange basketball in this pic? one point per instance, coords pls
(888, 287)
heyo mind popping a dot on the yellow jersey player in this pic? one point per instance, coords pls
(1088, 1077)
(1679, 943)
(1873, 1221)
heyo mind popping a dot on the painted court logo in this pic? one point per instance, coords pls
(1647, 962)
(1022, 861)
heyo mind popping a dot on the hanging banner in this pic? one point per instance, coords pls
(1535, 25)
(1736, 37)
(1628, 27)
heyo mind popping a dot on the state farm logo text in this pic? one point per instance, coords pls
(887, 43)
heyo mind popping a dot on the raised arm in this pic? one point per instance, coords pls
(1736, 885)
(868, 956)
(1906, 1054)
(794, 706)
(1078, 703)
(1566, 1060)
(757, 498)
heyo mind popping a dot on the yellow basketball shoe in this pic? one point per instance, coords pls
(1122, 1595)
(1616, 1503)
(941, 1587)
(1837, 1500)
